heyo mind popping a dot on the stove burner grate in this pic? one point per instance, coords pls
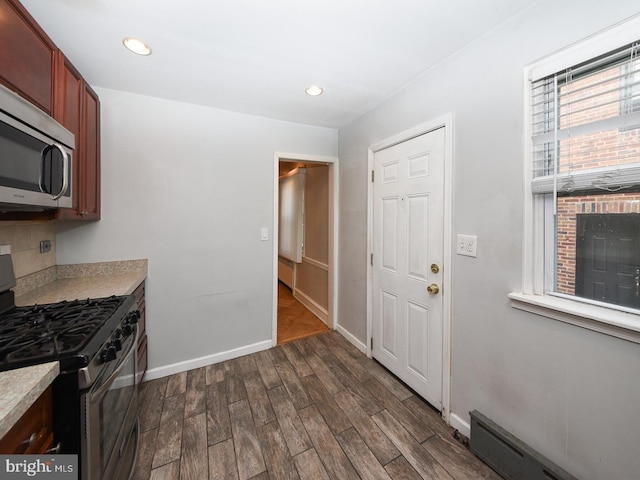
(40, 333)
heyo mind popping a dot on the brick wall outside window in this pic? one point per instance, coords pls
(568, 209)
(585, 152)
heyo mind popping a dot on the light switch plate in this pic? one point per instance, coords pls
(264, 234)
(467, 245)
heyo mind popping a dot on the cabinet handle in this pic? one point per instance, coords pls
(31, 440)
(55, 449)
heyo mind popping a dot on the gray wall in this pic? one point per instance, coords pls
(570, 393)
(190, 188)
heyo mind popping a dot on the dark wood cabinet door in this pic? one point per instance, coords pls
(141, 366)
(78, 109)
(27, 55)
(90, 186)
(33, 432)
(68, 111)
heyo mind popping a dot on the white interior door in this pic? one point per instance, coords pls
(408, 251)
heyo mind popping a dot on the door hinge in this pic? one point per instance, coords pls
(371, 343)
(373, 174)
(372, 259)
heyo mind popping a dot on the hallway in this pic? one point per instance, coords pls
(294, 320)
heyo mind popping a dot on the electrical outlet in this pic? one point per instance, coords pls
(45, 246)
(467, 245)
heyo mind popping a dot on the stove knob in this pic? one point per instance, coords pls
(133, 317)
(127, 330)
(108, 354)
(117, 342)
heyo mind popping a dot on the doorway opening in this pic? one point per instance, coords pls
(304, 246)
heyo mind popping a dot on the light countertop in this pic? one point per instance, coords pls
(20, 388)
(92, 280)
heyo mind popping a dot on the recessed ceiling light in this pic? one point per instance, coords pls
(137, 46)
(314, 90)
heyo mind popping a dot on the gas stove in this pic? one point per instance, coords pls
(60, 331)
(95, 397)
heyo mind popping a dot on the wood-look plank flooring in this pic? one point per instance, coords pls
(312, 409)
(295, 321)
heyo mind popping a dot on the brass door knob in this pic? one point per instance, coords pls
(433, 288)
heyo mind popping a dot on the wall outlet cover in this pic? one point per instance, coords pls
(467, 245)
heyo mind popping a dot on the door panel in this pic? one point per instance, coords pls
(408, 230)
(608, 258)
(418, 236)
(389, 323)
(389, 234)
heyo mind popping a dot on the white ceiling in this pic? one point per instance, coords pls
(258, 56)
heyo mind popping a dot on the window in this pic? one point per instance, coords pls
(582, 233)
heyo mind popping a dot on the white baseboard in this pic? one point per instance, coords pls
(179, 367)
(312, 306)
(356, 343)
(459, 424)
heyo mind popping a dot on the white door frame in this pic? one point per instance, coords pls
(445, 121)
(332, 162)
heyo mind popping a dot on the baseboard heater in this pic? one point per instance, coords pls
(507, 455)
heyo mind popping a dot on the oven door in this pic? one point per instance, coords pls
(110, 419)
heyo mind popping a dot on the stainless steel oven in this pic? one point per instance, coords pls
(109, 413)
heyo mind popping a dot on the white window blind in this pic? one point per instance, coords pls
(291, 222)
(586, 125)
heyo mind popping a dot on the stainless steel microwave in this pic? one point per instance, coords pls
(36, 157)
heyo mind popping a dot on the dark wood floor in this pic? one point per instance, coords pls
(312, 409)
(294, 320)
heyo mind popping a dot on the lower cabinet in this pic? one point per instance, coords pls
(141, 365)
(33, 433)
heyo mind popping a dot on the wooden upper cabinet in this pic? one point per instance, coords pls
(89, 188)
(68, 111)
(27, 55)
(32, 66)
(77, 107)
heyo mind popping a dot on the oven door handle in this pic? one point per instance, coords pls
(98, 394)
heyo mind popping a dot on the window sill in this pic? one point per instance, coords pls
(600, 319)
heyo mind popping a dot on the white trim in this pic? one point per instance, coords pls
(316, 263)
(532, 299)
(599, 319)
(446, 122)
(332, 269)
(370, 169)
(311, 305)
(459, 424)
(352, 339)
(179, 367)
(614, 37)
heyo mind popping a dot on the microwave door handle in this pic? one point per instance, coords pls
(65, 172)
(43, 158)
